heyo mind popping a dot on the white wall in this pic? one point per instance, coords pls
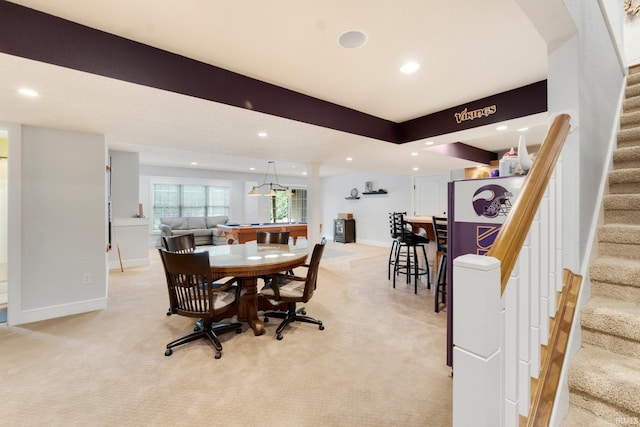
(124, 177)
(370, 212)
(632, 39)
(61, 224)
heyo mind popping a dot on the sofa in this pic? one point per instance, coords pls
(204, 229)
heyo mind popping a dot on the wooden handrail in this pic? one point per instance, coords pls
(514, 231)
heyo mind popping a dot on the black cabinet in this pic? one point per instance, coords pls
(344, 230)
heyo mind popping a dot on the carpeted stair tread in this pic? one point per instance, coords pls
(626, 157)
(631, 104)
(621, 202)
(616, 270)
(624, 176)
(619, 233)
(612, 317)
(632, 91)
(607, 377)
(578, 417)
(630, 119)
(633, 78)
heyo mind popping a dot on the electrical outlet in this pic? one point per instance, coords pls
(86, 279)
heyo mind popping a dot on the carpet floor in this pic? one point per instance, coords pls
(379, 362)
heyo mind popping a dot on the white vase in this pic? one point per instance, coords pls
(523, 156)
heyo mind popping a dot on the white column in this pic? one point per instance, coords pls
(314, 203)
(476, 339)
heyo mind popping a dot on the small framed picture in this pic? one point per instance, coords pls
(368, 186)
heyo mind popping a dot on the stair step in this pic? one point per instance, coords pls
(627, 157)
(612, 324)
(632, 91)
(615, 271)
(631, 104)
(619, 241)
(578, 417)
(630, 119)
(629, 137)
(633, 78)
(621, 209)
(624, 181)
(605, 383)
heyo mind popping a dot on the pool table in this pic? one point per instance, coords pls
(242, 233)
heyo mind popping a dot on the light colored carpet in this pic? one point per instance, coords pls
(379, 362)
(604, 378)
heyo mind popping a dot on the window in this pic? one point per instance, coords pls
(293, 209)
(177, 200)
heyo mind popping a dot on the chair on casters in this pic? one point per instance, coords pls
(190, 294)
(409, 241)
(440, 230)
(293, 289)
(180, 244)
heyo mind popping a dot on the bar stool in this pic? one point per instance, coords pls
(409, 243)
(395, 245)
(440, 230)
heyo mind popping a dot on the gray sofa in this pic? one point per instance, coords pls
(204, 229)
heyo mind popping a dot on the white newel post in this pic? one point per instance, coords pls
(476, 338)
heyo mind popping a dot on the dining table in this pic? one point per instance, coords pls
(249, 261)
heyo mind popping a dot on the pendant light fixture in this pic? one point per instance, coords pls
(272, 192)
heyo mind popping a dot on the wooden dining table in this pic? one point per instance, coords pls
(247, 262)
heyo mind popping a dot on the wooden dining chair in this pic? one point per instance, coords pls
(279, 237)
(180, 244)
(292, 290)
(188, 278)
(440, 230)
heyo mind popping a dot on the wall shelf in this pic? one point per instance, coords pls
(375, 192)
(351, 198)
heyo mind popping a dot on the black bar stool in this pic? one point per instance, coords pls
(406, 253)
(440, 230)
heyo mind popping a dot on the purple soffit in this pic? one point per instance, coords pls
(46, 38)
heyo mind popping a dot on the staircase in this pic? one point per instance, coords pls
(604, 378)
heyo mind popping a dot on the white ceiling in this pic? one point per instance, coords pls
(467, 49)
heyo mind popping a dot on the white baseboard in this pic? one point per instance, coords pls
(51, 312)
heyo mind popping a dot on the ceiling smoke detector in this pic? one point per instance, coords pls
(352, 39)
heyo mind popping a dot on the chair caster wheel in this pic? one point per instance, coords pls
(218, 355)
(279, 337)
(168, 313)
(266, 320)
(321, 327)
(168, 352)
(238, 330)
(196, 328)
(303, 312)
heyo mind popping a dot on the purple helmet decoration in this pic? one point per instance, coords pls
(492, 200)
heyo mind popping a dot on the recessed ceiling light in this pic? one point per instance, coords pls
(409, 67)
(428, 143)
(304, 173)
(28, 92)
(523, 129)
(352, 39)
(194, 163)
(414, 154)
(262, 134)
(503, 127)
(349, 159)
(415, 168)
(252, 169)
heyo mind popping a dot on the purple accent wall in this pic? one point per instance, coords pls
(464, 151)
(42, 37)
(520, 102)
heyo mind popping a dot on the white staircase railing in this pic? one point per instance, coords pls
(502, 312)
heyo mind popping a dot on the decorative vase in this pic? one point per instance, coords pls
(523, 156)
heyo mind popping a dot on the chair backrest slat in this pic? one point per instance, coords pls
(312, 272)
(180, 244)
(281, 237)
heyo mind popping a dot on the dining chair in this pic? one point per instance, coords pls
(281, 237)
(408, 263)
(188, 278)
(181, 243)
(292, 290)
(440, 230)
